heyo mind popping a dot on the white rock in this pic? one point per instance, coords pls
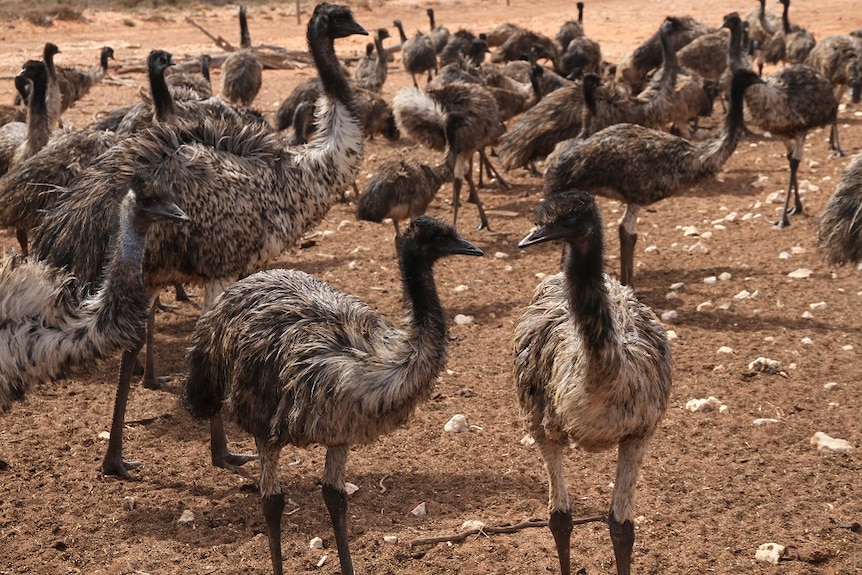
(807, 186)
(784, 256)
(801, 273)
(390, 539)
(651, 250)
(769, 553)
(731, 217)
(704, 405)
(726, 307)
(807, 315)
(472, 524)
(501, 255)
(744, 294)
(677, 286)
(350, 488)
(819, 306)
(831, 385)
(825, 443)
(755, 294)
(690, 231)
(105, 435)
(460, 288)
(763, 421)
(186, 517)
(698, 248)
(528, 440)
(669, 315)
(327, 233)
(719, 227)
(725, 349)
(461, 319)
(704, 305)
(352, 265)
(541, 275)
(129, 502)
(671, 295)
(315, 543)
(706, 235)
(457, 424)
(710, 280)
(343, 224)
(671, 335)
(725, 276)
(797, 250)
(847, 347)
(806, 341)
(775, 198)
(420, 510)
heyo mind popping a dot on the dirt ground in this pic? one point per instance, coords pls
(714, 485)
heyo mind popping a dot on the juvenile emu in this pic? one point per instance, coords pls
(592, 366)
(49, 328)
(640, 166)
(417, 53)
(296, 361)
(241, 73)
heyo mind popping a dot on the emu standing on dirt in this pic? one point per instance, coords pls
(417, 53)
(792, 101)
(640, 166)
(296, 361)
(403, 189)
(371, 71)
(592, 366)
(241, 73)
(49, 328)
(251, 198)
(439, 34)
(839, 236)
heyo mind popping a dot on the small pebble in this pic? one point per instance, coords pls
(725, 276)
(769, 553)
(462, 319)
(830, 386)
(710, 280)
(825, 443)
(457, 424)
(677, 286)
(420, 510)
(725, 349)
(390, 539)
(669, 315)
(801, 273)
(315, 543)
(501, 255)
(763, 421)
(186, 517)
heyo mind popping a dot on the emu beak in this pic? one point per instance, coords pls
(538, 235)
(464, 248)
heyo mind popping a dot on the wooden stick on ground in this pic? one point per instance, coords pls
(219, 41)
(459, 537)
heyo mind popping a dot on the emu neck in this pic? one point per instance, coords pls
(163, 101)
(587, 295)
(244, 37)
(423, 305)
(103, 63)
(785, 18)
(38, 123)
(334, 82)
(717, 151)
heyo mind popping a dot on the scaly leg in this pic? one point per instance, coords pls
(628, 239)
(150, 380)
(621, 515)
(335, 498)
(221, 456)
(272, 501)
(474, 195)
(114, 464)
(492, 170)
(560, 521)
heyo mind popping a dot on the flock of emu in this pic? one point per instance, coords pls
(295, 361)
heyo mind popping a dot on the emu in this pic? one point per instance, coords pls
(839, 236)
(270, 197)
(49, 328)
(296, 361)
(242, 74)
(592, 367)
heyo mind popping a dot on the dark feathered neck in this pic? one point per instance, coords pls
(335, 84)
(420, 290)
(587, 294)
(163, 101)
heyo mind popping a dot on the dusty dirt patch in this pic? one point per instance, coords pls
(714, 486)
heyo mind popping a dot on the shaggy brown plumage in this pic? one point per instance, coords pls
(592, 367)
(241, 72)
(839, 58)
(571, 29)
(75, 84)
(371, 71)
(790, 44)
(839, 236)
(640, 166)
(417, 53)
(295, 361)
(50, 328)
(251, 196)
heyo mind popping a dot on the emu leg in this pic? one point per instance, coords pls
(483, 157)
(784, 220)
(273, 507)
(456, 199)
(623, 540)
(180, 292)
(336, 503)
(150, 379)
(837, 152)
(794, 183)
(560, 525)
(628, 239)
(114, 464)
(221, 456)
(474, 195)
(21, 235)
